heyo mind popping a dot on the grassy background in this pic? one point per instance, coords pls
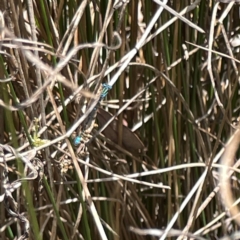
(177, 93)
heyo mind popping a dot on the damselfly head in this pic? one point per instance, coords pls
(77, 140)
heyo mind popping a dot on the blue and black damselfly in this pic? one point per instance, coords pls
(89, 122)
(130, 140)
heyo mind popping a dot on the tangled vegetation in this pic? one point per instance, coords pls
(115, 116)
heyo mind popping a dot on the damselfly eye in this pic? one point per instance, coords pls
(77, 140)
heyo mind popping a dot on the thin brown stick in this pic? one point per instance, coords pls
(228, 160)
